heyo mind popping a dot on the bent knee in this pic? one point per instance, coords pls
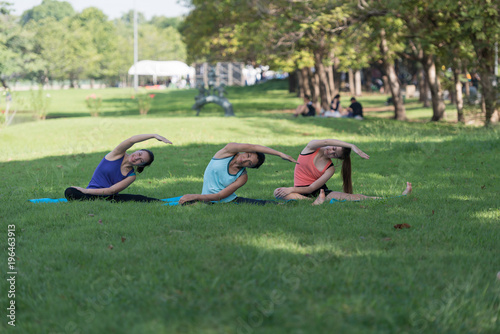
(72, 193)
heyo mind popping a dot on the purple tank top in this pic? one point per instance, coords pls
(107, 174)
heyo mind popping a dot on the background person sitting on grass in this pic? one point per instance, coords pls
(226, 173)
(116, 171)
(355, 110)
(335, 108)
(307, 109)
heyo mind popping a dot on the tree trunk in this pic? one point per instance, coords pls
(300, 80)
(457, 93)
(292, 82)
(357, 83)
(395, 89)
(329, 77)
(368, 80)
(467, 89)
(351, 82)
(453, 96)
(438, 106)
(4, 83)
(71, 81)
(315, 87)
(324, 90)
(337, 77)
(485, 56)
(424, 89)
(305, 86)
(488, 93)
(421, 86)
(387, 88)
(397, 100)
(330, 72)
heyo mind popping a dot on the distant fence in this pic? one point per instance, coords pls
(228, 74)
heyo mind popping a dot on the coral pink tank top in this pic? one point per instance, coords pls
(305, 172)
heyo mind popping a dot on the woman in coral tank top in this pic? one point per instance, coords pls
(315, 168)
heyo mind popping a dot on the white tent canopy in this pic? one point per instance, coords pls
(162, 69)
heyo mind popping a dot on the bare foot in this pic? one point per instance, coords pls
(408, 189)
(320, 199)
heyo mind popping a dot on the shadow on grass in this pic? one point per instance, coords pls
(457, 167)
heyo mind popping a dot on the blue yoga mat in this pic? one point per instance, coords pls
(172, 201)
(48, 200)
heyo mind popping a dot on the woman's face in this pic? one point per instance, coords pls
(139, 158)
(333, 152)
(246, 159)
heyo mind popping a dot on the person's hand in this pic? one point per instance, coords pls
(360, 153)
(187, 198)
(163, 139)
(287, 157)
(282, 192)
(83, 190)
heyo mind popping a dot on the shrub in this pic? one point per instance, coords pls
(39, 102)
(144, 102)
(94, 104)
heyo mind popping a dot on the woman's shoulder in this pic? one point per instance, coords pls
(307, 150)
(222, 154)
(113, 157)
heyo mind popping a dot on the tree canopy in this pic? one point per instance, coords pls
(352, 35)
(52, 41)
(440, 42)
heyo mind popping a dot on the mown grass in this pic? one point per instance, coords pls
(100, 267)
(269, 99)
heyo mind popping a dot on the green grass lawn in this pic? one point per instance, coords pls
(100, 267)
(269, 99)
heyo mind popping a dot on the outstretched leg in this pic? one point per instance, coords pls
(132, 198)
(300, 110)
(340, 196)
(73, 194)
(243, 200)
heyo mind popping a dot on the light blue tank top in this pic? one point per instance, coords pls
(217, 178)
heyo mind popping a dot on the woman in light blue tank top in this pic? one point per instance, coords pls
(226, 173)
(116, 171)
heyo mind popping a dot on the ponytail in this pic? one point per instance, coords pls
(346, 171)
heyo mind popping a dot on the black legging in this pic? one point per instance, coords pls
(73, 194)
(243, 200)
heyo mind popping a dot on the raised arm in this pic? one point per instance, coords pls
(114, 189)
(120, 150)
(313, 145)
(233, 148)
(218, 196)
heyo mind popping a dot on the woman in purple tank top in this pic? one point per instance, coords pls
(116, 171)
